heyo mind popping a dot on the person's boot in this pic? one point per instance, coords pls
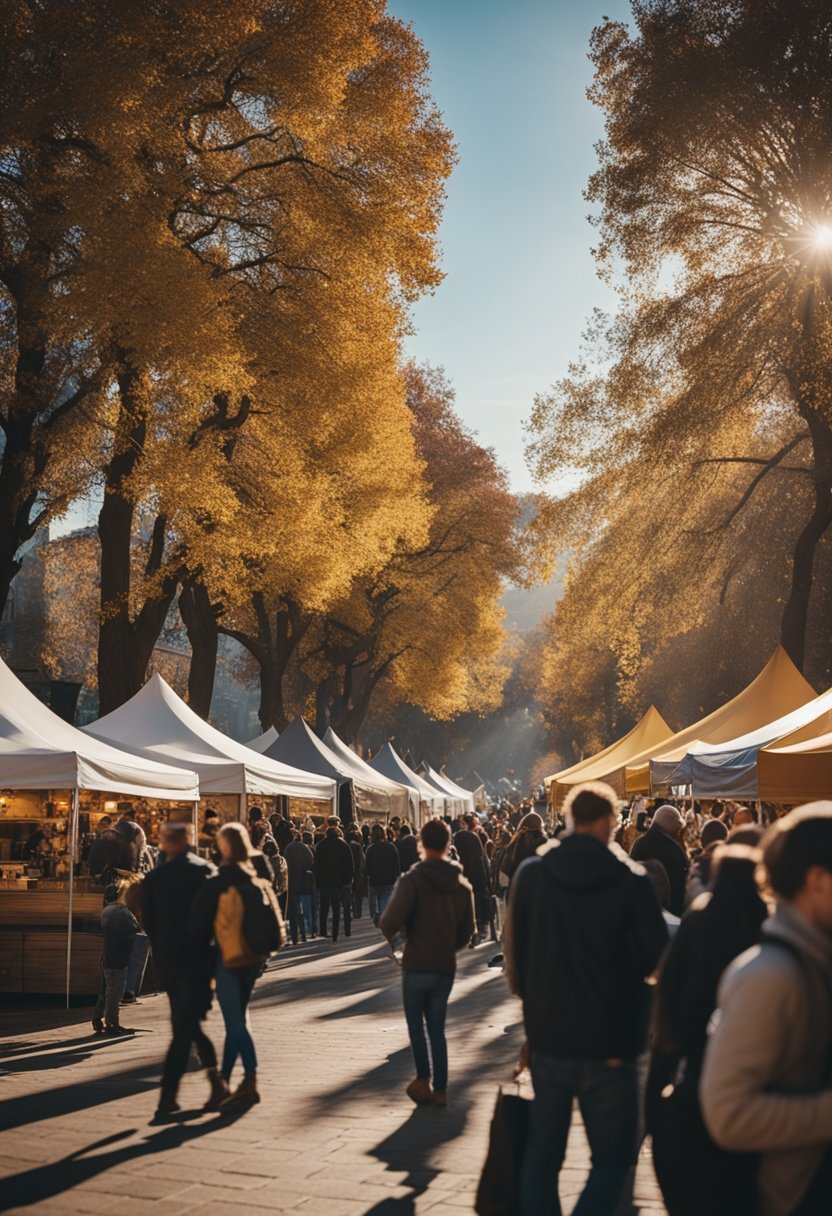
(98, 1026)
(246, 1094)
(167, 1103)
(440, 1097)
(420, 1092)
(219, 1089)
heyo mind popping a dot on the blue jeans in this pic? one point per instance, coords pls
(379, 899)
(607, 1097)
(425, 996)
(234, 990)
(137, 964)
(110, 993)
(300, 916)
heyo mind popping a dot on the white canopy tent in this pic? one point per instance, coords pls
(389, 763)
(402, 800)
(355, 793)
(463, 800)
(264, 741)
(729, 770)
(156, 722)
(40, 751)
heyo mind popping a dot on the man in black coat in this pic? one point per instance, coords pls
(383, 868)
(584, 932)
(184, 967)
(301, 863)
(475, 868)
(334, 872)
(660, 843)
(360, 876)
(407, 848)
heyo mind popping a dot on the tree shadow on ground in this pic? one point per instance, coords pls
(41, 1182)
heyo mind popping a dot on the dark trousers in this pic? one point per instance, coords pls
(358, 902)
(818, 1199)
(336, 898)
(608, 1100)
(300, 916)
(425, 997)
(189, 994)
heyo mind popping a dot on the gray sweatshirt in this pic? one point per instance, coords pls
(765, 1083)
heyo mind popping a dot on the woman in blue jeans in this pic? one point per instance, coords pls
(433, 906)
(234, 986)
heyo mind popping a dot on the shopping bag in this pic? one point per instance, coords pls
(499, 1186)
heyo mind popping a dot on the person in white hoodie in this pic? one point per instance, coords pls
(766, 1085)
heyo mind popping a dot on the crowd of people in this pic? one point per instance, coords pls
(674, 966)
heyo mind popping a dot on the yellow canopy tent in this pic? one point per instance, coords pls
(798, 767)
(649, 731)
(778, 689)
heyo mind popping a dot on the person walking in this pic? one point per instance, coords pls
(583, 933)
(300, 861)
(334, 872)
(360, 870)
(475, 868)
(661, 842)
(235, 984)
(766, 1084)
(407, 848)
(383, 868)
(727, 921)
(524, 843)
(118, 929)
(433, 905)
(183, 964)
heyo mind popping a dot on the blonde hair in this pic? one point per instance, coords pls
(239, 841)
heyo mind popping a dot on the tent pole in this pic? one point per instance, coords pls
(73, 848)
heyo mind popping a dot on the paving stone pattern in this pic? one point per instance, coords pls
(335, 1133)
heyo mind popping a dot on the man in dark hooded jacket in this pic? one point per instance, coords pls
(433, 905)
(583, 934)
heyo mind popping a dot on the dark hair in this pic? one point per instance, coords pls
(268, 846)
(306, 837)
(105, 821)
(590, 802)
(435, 836)
(794, 844)
(404, 830)
(378, 833)
(468, 820)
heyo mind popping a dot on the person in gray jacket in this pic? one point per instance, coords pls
(766, 1083)
(433, 905)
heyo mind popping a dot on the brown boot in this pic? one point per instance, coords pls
(420, 1092)
(440, 1097)
(219, 1090)
(244, 1095)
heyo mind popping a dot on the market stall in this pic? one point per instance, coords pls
(57, 784)
(389, 763)
(157, 724)
(264, 741)
(401, 801)
(357, 794)
(650, 730)
(778, 689)
(462, 801)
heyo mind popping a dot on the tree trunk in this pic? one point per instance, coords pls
(199, 617)
(125, 644)
(796, 612)
(272, 646)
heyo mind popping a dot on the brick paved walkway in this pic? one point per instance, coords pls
(335, 1133)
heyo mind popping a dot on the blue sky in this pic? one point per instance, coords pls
(511, 80)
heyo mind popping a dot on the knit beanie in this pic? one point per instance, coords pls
(668, 819)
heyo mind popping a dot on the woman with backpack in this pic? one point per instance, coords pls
(239, 910)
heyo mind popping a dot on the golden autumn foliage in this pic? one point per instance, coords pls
(697, 429)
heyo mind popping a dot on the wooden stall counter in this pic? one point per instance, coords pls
(33, 929)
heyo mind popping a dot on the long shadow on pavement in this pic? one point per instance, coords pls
(42, 1182)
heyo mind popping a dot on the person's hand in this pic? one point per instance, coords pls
(523, 1062)
(397, 957)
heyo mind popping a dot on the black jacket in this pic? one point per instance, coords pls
(119, 927)
(472, 855)
(408, 851)
(167, 894)
(334, 866)
(656, 845)
(383, 865)
(358, 863)
(282, 831)
(585, 931)
(301, 862)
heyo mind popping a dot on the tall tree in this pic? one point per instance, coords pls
(715, 194)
